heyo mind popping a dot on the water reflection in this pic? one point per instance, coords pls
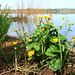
(30, 27)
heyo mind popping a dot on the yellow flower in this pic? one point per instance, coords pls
(15, 30)
(45, 32)
(63, 17)
(9, 40)
(47, 20)
(73, 37)
(40, 20)
(28, 59)
(36, 24)
(33, 21)
(40, 17)
(30, 53)
(24, 32)
(48, 17)
(43, 22)
(70, 24)
(51, 15)
(19, 29)
(35, 17)
(46, 23)
(29, 40)
(57, 28)
(67, 20)
(73, 40)
(56, 40)
(43, 29)
(14, 43)
(44, 16)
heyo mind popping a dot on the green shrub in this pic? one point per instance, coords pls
(4, 24)
(47, 45)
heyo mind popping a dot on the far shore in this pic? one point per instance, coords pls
(39, 11)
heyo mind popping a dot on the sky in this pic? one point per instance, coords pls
(13, 4)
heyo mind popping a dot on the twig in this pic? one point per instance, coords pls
(44, 70)
(7, 71)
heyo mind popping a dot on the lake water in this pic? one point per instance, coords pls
(56, 19)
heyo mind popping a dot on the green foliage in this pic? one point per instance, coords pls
(49, 44)
(4, 24)
(55, 64)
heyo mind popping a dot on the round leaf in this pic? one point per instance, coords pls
(55, 64)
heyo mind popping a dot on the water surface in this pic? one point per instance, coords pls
(56, 19)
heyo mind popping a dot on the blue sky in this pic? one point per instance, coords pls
(38, 3)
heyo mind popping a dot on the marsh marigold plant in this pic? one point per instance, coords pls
(56, 40)
(24, 32)
(49, 45)
(30, 53)
(14, 43)
(29, 40)
(15, 30)
(70, 24)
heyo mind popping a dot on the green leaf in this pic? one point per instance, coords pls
(63, 47)
(49, 53)
(66, 46)
(33, 45)
(54, 49)
(55, 64)
(22, 45)
(38, 53)
(25, 36)
(62, 37)
(20, 37)
(52, 24)
(44, 36)
(51, 40)
(36, 48)
(35, 35)
(29, 47)
(47, 31)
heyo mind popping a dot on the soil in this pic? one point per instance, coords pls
(6, 70)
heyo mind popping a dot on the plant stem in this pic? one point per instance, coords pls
(72, 59)
(60, 49)
(68, 29)
(68, 71)
(42, 51)
(60, 53)
(25, 58)
(15, 61)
